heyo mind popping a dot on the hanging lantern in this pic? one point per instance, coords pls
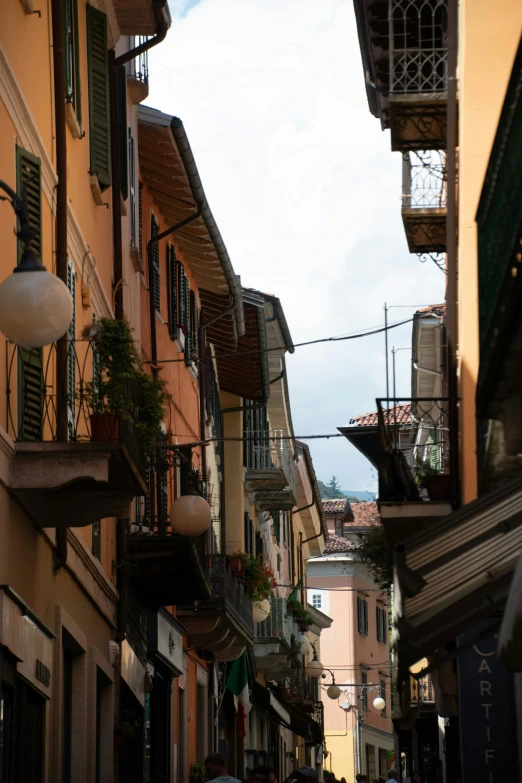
(190, 515)
(261, 610)
(379, 703)
(333, 691)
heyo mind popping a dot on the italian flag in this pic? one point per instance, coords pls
(237, 683)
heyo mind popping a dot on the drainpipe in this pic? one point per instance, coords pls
(61, 240)
(163, 24)
(451, 254)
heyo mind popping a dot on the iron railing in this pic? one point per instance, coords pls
(33, 409)
(418, 46)
(138, 68)
(424, 179)
(414, 447)
(267, 449)
(279, 624)
(226, 594)
(300, 687)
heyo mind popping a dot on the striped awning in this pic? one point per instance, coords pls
(456, 571)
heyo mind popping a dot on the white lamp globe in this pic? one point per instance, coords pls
(379, 703)
(190, 515)
(305, 645)
(333, 691)
(261, 610)
(315, 668)
(35, 308)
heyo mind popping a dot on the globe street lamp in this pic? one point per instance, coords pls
(35, 306)
(315, 667)
(190, 515)
(333, 691)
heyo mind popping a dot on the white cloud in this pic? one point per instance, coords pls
(305, 190)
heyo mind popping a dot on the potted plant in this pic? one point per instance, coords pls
(431, 479)
(258, 580)
(197, 773)
(235, 562)
(293, 606)
(115, 363)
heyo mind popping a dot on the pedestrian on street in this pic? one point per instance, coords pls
(392, 776)
(217, 771)
(258, 775)
(272, 776)
(417, 778)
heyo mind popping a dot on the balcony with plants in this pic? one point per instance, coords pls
(424, 202)
(414, 460)
(83, 413)
(269, 464)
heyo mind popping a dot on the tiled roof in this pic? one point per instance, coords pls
(335, 506)
(438, 309)
(338, 544)
(365, 513)
(400, 414)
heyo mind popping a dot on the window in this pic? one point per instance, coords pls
(72, 58)
(362, 616)
(155, 282)
(276, 519)
(132, 188)
(249, 534)
(71, 357)
(96, 539)
(172, 290)
(364, 692)
(317, 601)
(99, 116)
(30, 362)
(382, 694)
(121, 106)
(382, 625)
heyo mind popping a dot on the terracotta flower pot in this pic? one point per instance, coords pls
(236, 564)
(438, 487)
(104, 426)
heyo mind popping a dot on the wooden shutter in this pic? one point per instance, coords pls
(72, 57)
(365, 609)
(192, 325)
(132, 188)
(155, 282)
(172, 292)
(30, 394)
(28, 185)
(276, 518)
(121, 93)
(140, 220)
(99, 114)
(71, 356)
(180, 279)
(162, 479)
(188, 321)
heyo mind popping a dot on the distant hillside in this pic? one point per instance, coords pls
(359, 494)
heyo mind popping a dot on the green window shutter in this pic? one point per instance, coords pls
(71, 357)
(132, 187)
(72, 57)
(140, 220)
(181, 303)
(276, 518)
(99, 116)
(172, 291)
(30, 394)
(28, 185)
(155, 282)
(121, 87)
(192, 325)
(187, 322)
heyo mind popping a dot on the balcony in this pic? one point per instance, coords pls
(424, 195)
(301, 690)
(413, 463)
(221, 625)
(417, 696)
(270, 470)
(138, 73)
(273, 638)
(60, 476)
(418, 74)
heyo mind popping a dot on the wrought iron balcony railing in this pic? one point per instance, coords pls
(138, 68)
(227, 594)
(424, 179)
(35, 382)
(278, 625)
(418, 46)
(302, 689)
(414, 451)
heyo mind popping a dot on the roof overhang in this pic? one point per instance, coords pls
(141, 17)
(373, 33)
(316, 494)
(169, 170)
(455, 572)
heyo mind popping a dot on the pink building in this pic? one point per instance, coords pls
(355, 648)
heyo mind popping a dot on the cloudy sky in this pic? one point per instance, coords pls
(306, 193)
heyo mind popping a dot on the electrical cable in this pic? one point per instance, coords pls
(351, 336)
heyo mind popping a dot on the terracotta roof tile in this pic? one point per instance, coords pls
(336, 506)
(366, 514)
(438, 309)
(338, 544)
(400, 414)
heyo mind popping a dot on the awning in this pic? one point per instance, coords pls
(510, 637)
(456, 571)
(288, 715)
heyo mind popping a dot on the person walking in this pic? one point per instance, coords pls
(392, 776)
(217, 771)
